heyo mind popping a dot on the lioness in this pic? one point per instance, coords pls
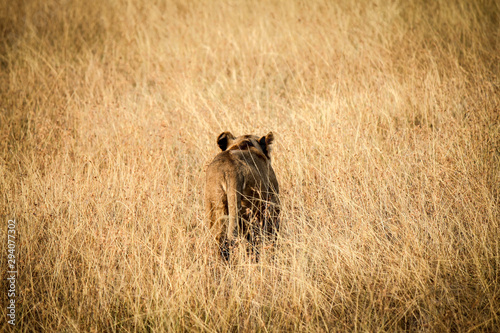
(241, 194)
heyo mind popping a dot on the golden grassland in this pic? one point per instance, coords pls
(387, 123)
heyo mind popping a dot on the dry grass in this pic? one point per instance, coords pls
(387, 117)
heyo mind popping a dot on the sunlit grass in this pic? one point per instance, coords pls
(387, 125)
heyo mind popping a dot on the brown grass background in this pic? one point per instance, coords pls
(387, 124)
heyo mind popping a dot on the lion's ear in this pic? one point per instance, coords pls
(265, 143)
(224, 140)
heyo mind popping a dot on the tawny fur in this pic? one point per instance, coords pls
(241, 193)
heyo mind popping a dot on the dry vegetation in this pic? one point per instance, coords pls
(387, 124)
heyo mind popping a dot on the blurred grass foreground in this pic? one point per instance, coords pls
(387, 123)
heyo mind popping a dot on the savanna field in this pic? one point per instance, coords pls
(386, 116)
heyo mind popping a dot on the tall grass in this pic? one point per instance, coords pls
(387, 124)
